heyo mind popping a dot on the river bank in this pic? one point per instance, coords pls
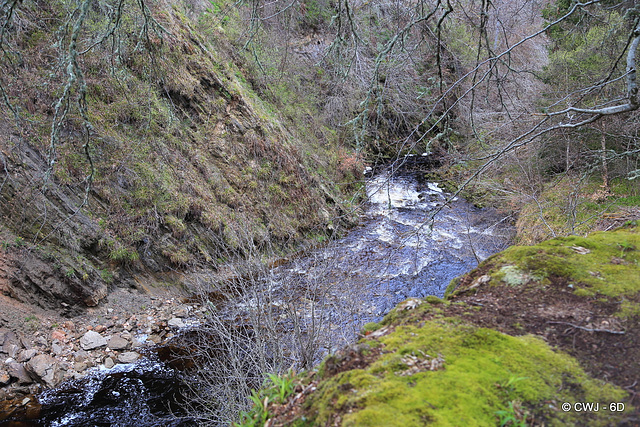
(41, 349)
(535, 335)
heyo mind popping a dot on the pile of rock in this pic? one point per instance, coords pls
(29, 363)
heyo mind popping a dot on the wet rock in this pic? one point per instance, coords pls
(45, 368)
(139, 341)
(156, 339)
(128, 357)
(18, 372)
(80, 366)
(117, 343)
(91, 340)
(109, 363)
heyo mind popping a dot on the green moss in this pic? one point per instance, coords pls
(453, 284)
(604, 263)
(481, 373)
(371, 327)
(431, 299)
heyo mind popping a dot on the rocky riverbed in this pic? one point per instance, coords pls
(40, 349)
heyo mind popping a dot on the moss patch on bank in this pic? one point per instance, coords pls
(605, 264)
(445, 372)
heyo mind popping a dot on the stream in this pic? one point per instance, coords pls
(398, 251)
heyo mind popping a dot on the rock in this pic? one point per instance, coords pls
(128, 357)
(80, 356)
(11, 343)
(156, 339)
(100, 328)
(41, 342)
(480, 281)
(12, 350)
(117, 343)
(91, 340)
(58, 335)
(80, 366)
(45, 368)
(176, 322)
(5, 378)
(56, 349)
(25, 355)
(109, 363)
(139, 341)
(182, 312)
(17, 371)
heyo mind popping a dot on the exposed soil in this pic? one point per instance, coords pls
(585, 327)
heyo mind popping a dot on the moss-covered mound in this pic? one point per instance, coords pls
(529, 330)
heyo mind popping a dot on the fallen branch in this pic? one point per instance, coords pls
(588, 329)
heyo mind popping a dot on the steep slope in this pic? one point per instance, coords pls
(134, 150)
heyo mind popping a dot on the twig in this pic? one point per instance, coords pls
(588, 329)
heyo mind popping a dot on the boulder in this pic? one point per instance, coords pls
(117, 343)
(56, 349)
(92, 340)
(11, 343)
(45, 369)
(128, 357)
(17, 371)
(25, 355)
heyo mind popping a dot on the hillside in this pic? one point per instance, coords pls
(155, 158)
(156, 150)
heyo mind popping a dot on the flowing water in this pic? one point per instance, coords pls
(411, 242)
(399, 250)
